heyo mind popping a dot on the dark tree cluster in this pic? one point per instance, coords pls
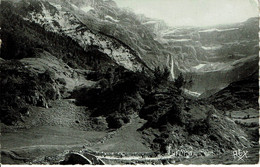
(21, 88)
(161, 76)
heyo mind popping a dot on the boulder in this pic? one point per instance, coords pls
(75, 158)
(82, 159)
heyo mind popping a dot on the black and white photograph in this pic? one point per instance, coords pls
(129, 82)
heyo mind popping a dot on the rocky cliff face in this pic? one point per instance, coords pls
(136, 31)
(59, 17)
(214, 56)
(135, 41)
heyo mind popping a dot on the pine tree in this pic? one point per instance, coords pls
(179, 82)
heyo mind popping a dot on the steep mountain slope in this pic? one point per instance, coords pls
(240, 102)
(103, 17)
(242, 94)
(136, 31)
(55, 18)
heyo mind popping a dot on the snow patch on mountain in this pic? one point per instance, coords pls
(211, 47)
(199, 66)
(218, 30)
(46, 14)
(150, 22)
(213, 67)
(57, 6)
(74, 6)
(86, 9)
(111, 19)
(180, 40)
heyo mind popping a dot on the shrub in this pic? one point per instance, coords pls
(115, 121)
(174, 115)
(161, 76)
(198, 127)
(9, 115)
(179, 82)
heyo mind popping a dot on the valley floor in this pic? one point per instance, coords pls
(66, 130)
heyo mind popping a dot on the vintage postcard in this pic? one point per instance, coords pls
(129, 82)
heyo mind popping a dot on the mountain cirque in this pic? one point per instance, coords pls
(80, 83)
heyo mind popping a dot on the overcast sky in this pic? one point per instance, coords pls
(194, 12)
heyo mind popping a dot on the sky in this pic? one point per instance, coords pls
(194, 12)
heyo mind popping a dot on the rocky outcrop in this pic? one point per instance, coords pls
(81, 159)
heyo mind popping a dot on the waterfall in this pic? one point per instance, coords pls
(168, 61)
(172, 69)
